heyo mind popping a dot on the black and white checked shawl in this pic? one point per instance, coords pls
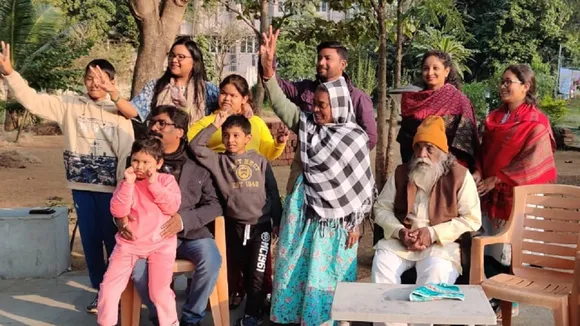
(337, 168)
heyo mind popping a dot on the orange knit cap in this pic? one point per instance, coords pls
(432, 130)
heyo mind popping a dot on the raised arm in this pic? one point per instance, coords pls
(124, 106)
(197, 127)
(270, 148)
(166, 193)
(198, 145)
(287, 111)
(142, 102)
(283, 94)
(46, 106)
(122, 200)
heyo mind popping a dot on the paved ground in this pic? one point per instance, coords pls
(61, 301)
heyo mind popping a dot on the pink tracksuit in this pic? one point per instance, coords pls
(148, 206)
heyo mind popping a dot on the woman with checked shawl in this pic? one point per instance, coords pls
(318, 240)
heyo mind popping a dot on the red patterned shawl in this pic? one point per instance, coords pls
(450, 104)
(519, 151)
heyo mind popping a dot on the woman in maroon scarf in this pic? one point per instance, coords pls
(441, 96)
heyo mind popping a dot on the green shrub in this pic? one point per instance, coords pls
(477, 93)
(555, 109)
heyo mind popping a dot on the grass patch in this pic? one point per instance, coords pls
(572, 119)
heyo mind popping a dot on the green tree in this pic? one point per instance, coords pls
(249, 11)
(514, 31)
(296, 60)
(432, 39)
(41, 49)
(98, 15)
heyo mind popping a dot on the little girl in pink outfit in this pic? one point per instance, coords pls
(144, 201)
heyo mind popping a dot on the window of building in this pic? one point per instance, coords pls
(249, 45)
(233, 62)
(280, 6)
(323, 6)
(254, 60)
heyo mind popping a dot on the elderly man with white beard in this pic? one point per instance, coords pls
(424, 209)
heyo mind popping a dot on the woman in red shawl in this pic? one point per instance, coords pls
(517, 149)
(441, 96)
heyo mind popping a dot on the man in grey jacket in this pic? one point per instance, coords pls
(199, 208)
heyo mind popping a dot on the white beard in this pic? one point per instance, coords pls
(424, 173)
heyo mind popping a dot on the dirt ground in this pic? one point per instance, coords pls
(37, 178)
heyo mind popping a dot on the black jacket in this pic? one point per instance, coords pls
(199, 201)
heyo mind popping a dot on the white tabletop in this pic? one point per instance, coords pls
(372, 302)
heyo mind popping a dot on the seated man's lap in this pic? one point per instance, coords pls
(436, 270)
(388, 268)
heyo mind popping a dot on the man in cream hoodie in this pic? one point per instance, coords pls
(97, 143)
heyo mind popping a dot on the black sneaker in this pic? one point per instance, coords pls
(249, 321)
(184, 323)
(92, 307)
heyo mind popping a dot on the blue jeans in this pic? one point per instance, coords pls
(204, 254)
(96, 227)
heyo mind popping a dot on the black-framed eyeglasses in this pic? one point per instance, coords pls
(508, 82)
(162, 123)
(179, 57)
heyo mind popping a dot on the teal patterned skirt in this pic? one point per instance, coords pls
(311, 259)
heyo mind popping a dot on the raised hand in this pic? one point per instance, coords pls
(5, 64)
(247, 110)
(178, 98)
(130, 175)
(282, 134)
(221, 117)
(152, 174)
(102, 81)
(268, 51)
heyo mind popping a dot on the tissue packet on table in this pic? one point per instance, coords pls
(441, 291)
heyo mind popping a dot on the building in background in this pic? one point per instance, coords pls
(233, 44)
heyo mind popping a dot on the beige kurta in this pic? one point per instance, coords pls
(443, 234)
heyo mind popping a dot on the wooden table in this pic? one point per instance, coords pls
(370, 302)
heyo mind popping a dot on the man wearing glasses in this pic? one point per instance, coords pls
(199, 207)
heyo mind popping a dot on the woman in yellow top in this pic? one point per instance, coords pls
(234, 94)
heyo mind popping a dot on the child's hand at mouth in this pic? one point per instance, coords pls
(152, 174)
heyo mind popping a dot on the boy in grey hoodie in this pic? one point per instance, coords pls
(251, 204)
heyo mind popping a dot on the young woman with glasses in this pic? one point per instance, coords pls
(517, 149)
(184, 85)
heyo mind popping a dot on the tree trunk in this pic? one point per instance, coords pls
(394, 114)
(158, 26)
(259, 96)
(399, 46)
(380, 174)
